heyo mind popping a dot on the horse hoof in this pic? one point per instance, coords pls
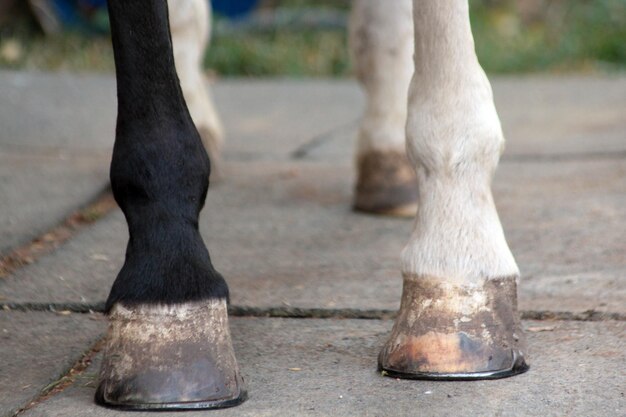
(386, 184)
(456, 332)
(170, 357)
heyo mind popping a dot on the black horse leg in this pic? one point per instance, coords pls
(168, 344)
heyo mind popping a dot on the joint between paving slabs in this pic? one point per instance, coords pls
(565, 157)
(303, 151)
(67, 378)
(312, 313)
(52, 239)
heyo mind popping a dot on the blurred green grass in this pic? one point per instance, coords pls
(576, 35)
(307, 53)
(511, 37)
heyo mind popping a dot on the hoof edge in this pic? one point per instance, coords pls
(182, 406)
(519, 366)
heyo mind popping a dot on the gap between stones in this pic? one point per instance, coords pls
(67, 378)
(49, 241)
(302, 151)
(565, 157)
(311, 313)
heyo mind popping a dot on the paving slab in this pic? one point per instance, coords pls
(38, 191)
(542, 117)
(540, 114)
(284, 234)
(54, 149)
(58, 130)
(564, 223)
(36, 349)
(309, 367)
(57, 111)
(270, 119)
(262, 118)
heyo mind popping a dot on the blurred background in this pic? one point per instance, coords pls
(304, 38)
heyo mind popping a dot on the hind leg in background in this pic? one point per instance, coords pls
(381, 44)
(458, 317)
(190, 22)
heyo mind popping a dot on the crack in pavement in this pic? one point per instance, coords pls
(67, 377)
(56, 236)
(312, 313)
(564, 157)
(302, 151)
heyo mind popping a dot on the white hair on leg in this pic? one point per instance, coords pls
(190, 24)
(454, 140)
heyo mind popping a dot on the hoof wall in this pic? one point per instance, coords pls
(447, 331)
(170, 358)
(386, 185)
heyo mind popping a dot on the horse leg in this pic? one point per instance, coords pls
(381, 43)
(168, 343)
(458, 317)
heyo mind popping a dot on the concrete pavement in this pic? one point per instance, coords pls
(280, 230)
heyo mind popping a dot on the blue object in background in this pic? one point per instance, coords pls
(66, 12)
(233, 9)
(90, 15)
(93, 3)
(78, 14)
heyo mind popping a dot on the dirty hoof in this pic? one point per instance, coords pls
(386, 184)
(455, 332)
(170, 357)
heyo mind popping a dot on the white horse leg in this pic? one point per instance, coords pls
(458, 317)
(190, 22)
(381, 43)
